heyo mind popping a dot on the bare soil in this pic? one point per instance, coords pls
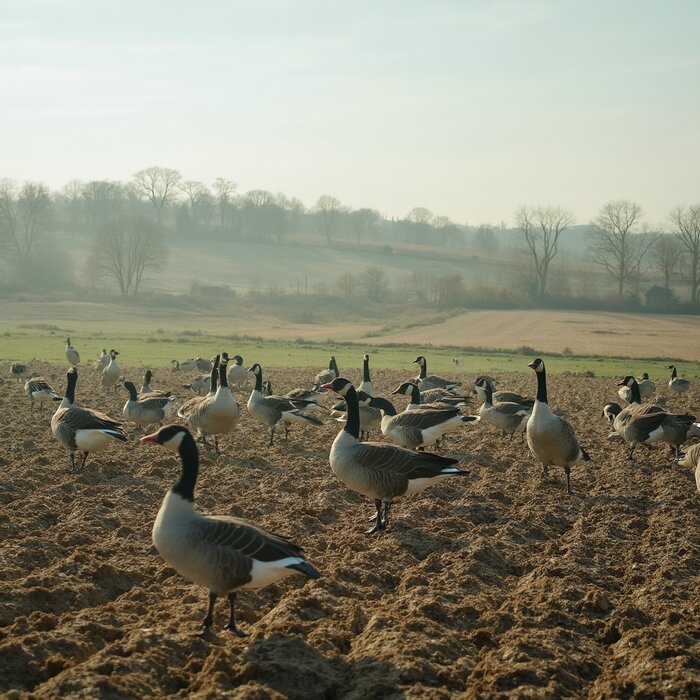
(497, 585)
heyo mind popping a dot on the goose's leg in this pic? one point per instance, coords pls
(286, 432)
(545, 473)
(567, 469)
(208, 620)
(232, 626)
(216, 445)
(272, 436)
(631, 452)
(379, 524)
(82, 464)
(72, 462)
(387, 506)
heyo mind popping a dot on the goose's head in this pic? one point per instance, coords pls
(645, 376)
(256, 369)
(169, 436)
(224, 358)
(611, 410)
(238, 359)
(129, 386)
(113, 352)
(147, 377)
(406, 389)
(420, 361)
(537, 365)
(365, 358)
(340, 385)
(629, 381)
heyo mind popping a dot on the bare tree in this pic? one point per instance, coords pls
(615, 245)
(24, 219)
(72, 191)
(328, 209)
(196, 193)
(686, 222)
(224, 190)
(158, 186)
(542, 228)
(363, 221)
(375, 282)
(420, 215)
(125, 248)
(666, 256)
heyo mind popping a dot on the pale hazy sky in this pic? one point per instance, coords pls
(468, 108)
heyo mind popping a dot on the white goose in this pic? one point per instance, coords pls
(112, 372)
(72, 355)
(222, 553)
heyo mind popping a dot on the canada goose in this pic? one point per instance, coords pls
(147, 410)
(80, 428)
(222, 553)
(677, 384)
(72, 355)
(551, 439)
(270, 410)
(366, 383)
(417, 398)
(38, 389)
(610, 411)
(481, 383)
(427, 381)
(509, 416)
(147, 389)
(380, 471)
(327, 375)
(18, 370)
(692, 460)
(202, 365)
(645, 424)
(418, 427)
(218, 414)
(237, 372)
(112, 372)
(102, 361)
(305, 399)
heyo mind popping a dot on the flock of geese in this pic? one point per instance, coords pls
(227, 554)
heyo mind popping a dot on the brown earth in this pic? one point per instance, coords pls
(492, 586)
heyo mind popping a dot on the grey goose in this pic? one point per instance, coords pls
(645, 424)
(102, 361)
(40, 391)
(677, 384)
(443, 396)
(327, 375)
(214, 415)
(379, 471)
(72, 355)
(551, 439)
(222, 553)
(427, 381)
(82, 429)
(18, 370)
(148, 409)
(271, 410)
(418, 399)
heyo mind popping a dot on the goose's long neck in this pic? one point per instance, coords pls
(212, 380)
(132, 391)
(69, 396)
(365, 370)
(190, 469)
(636, 395)
(383, 405)
(352, 421)
(488, 401)
(258, 382)
(415, 395)
(223, 379)
(673, 373)
(541, 386)
(423, 370)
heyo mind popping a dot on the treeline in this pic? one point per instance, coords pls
(126, 225)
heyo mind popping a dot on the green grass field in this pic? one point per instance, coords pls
(139, 345)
